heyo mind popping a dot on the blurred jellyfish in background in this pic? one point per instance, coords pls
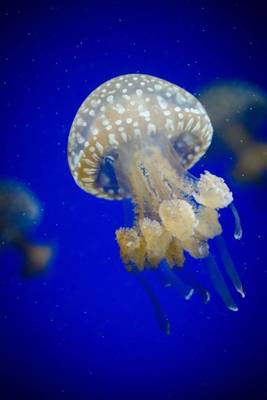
(20, 213)
(238, 113)
(136, 136)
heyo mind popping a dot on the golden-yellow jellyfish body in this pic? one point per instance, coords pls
(136, 136)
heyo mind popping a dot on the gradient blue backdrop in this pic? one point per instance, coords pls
(86, 330)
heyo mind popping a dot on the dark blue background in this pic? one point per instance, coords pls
(86, 330)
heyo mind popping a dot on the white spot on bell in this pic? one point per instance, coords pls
(110, 99)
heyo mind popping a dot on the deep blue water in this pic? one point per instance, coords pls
(86, 329)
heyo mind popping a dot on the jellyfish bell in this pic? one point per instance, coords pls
(19, 210)
(137, 136)
(228, 102)
(20, 213)
(238, 110)
(133, 112)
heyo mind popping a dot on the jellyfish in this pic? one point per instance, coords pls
(20, 213)
(237, 111)
(136, 136)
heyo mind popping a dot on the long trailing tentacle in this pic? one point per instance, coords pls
(191, 280)
(229, 266)
(220, 285)
(160, 315)
(238, 228)
(171, 279)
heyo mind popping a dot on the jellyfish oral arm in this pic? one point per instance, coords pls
(212, 191)
(173, 212)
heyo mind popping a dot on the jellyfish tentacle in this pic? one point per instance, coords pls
(185, 291)
(229, 266)
(220, 285)
(238, 228)
(160, 315)
(199, 289)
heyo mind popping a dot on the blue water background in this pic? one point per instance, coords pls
(86, 329)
